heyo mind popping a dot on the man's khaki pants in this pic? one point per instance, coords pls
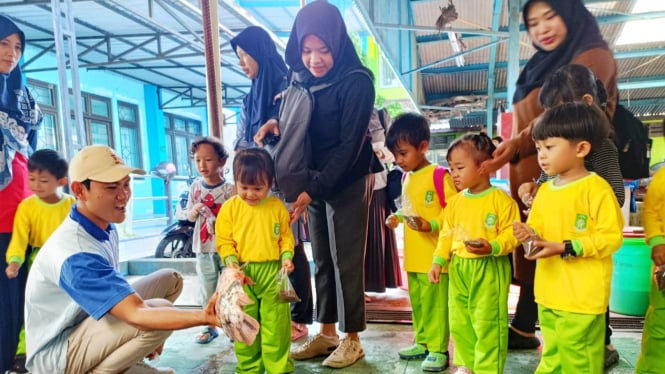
(112, 346)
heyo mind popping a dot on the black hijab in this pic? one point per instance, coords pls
(583, 34)
(325, 22)
(258, 104)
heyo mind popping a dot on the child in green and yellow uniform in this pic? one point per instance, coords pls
(474, 241)
(253, 228)
(38, 216)
(408, 139)
(576, 225)
(653, 336)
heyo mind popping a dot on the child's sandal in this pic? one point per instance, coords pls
(207, 335)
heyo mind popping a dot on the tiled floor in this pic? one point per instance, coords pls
(380, 342)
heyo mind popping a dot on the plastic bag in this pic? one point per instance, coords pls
(237, 325)
(287, 294)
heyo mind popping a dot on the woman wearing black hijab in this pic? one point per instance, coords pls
(262, 64)
(19, 118)
(563, 32)
(338, 192)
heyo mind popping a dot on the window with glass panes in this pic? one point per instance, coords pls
(97, 119)
(45, 96)
(180, 133)
(130, 140)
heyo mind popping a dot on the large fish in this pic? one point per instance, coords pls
(238, 325)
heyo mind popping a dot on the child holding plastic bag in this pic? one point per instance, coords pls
(253, 228)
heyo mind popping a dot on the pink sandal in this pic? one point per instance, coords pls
(298, 330)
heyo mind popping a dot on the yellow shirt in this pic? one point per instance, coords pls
(653, 215)
(257, 233)
(419, 190)
(488, 215)
(34, 222)
(585, 212)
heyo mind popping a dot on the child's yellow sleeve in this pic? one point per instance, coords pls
(224, 241)
(505, 241)
(654, 208)
(441, 254)
(286, 240)
(20, 235)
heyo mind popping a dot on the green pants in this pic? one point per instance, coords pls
(574, 342)
(20, 348)
(270, 351)
(653, 335)
(429, 305)
(479, 312)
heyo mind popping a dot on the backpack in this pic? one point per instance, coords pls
(633, 144)
(437, 176)
(292, 152)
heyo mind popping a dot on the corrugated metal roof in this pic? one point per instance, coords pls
(445, 80)
(161, 42)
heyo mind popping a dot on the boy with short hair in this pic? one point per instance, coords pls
(408, 139)
(574, 251)
(36, 218)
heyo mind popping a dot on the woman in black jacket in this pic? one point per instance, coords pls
(340, 166)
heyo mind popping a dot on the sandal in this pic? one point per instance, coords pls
(207, 335)
(298, 330)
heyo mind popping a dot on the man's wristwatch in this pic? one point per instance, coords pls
(568, 251)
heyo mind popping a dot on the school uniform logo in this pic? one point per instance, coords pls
(275, 230)
(490, 220)
(429, 197)
(581, 222)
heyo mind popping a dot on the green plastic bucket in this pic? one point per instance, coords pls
(631, 278)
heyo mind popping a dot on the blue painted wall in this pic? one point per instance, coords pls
(153, 138)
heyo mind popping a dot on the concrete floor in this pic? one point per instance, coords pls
(380, 342)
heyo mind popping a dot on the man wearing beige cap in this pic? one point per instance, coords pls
(82, 316)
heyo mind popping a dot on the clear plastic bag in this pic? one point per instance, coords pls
(287, 294)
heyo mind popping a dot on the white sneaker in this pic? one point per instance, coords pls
(319, 345)
(143, 368)
(348, 352)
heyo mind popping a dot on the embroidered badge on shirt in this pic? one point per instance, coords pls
(580, 222)
(275, 230)
(429, 197)
(490, 220)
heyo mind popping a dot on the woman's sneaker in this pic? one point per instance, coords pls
(319, 345)
(413, 352)
(348, 352)
(435, 362)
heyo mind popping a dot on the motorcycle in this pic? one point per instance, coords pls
(177, 240)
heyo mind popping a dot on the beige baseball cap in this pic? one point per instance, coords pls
(99, 163)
